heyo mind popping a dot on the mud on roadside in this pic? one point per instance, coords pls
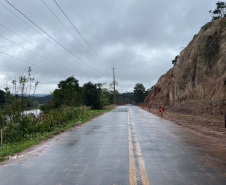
(212, 127)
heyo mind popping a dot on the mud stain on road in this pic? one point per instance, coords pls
(210, 153)
(206, 125)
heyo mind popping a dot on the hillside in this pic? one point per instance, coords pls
(41, 100)
(197, 82)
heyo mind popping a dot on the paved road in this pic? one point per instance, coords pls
(125, 146)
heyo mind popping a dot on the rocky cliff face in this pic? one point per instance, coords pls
(198, 80)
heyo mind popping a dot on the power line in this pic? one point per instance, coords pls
(33, 28)
(51, 37)
(78, 31)
(36, 45)
(41, 35)
(72, 33)
(31, 64)
(34, 53)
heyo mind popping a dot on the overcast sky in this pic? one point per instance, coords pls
(140, 38)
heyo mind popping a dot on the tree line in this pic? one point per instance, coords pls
(70, 93)
(66, 107)
(18, 98)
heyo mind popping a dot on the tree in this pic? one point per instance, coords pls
(41, 100)
(139, 93)
(125, 97)
(175, 60)
(220, 11)
(92, 96)
(105, 97)
(68, 93)
(2, 97)
(106, 94)
(111, 85)
(47, 106)
(15, 97)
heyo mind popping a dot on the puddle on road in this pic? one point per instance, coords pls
(71, 143)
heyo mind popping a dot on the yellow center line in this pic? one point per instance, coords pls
(143, 172)
(132, 173)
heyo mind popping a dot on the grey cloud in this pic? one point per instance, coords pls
(139, 38)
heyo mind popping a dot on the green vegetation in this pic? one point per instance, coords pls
(92, 96)
(12, 110)
(139, 93)
(2, 97)
(126, 97)
(223, 24)
(71, 94)
(26, 126)
(206, 26)
(41, 100)
(186, 72)
(220, 11)
(201, 51)
(68, 93)
(46, 125)
(28, 101)
(175, 60)
(66, 109)
(210, 49)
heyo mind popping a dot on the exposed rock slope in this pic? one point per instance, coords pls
(199, 77)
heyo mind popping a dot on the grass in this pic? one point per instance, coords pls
(206, 26)
(223, 23)
(10, 149)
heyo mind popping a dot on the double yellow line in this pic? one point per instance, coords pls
(132, 172)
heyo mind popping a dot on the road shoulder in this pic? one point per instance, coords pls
(207, 126)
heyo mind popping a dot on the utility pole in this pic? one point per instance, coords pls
(114, 83)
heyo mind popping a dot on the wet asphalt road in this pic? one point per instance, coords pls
(125, 146)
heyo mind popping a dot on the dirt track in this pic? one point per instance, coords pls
(210, 126)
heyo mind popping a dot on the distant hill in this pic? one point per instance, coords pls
(37, 95)
(41, 100)
(123, 97)
(41, 95)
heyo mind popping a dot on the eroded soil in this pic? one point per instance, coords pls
(210, 126)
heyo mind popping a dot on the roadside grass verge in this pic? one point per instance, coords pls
(12, 148)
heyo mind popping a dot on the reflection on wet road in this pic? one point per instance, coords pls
(125, 146)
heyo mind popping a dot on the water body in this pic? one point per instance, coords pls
(34, 111)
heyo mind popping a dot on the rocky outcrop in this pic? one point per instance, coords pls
(198, 79)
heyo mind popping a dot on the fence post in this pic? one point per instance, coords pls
(1, 139)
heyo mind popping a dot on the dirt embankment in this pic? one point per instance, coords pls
(210, 126)
(197, 82)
